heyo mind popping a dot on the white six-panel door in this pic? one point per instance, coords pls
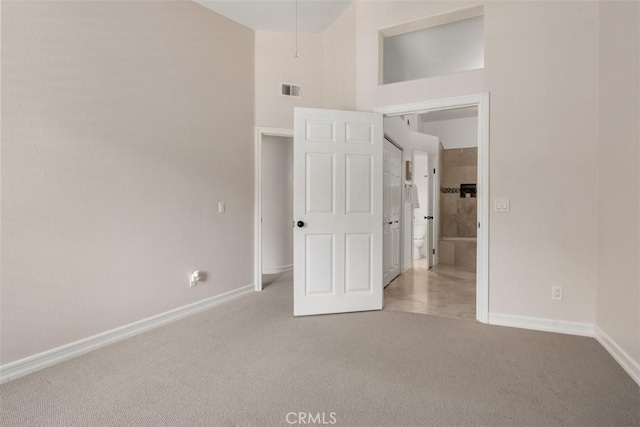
(337, 211)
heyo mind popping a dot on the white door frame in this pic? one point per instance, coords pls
(482, 102)
(435, 183)
(436, 204)
(257, 219)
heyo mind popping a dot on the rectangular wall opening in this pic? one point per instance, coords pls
(434, 46)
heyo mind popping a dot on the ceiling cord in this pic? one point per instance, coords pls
(296, 54)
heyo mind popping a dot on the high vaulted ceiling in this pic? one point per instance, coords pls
(279, 15)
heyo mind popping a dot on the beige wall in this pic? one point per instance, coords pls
(454, 133)
(618, 296)
(275, 64)
(277, 203)
(123, 125)
(541, 69)
(326, 69)
(339, 53)
(458, 216)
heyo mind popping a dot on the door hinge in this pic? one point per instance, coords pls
(434, 251)
(434, 171)
(478, 225)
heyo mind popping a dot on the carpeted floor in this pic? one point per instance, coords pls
(249, 362)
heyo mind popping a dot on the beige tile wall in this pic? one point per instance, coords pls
(458, 215)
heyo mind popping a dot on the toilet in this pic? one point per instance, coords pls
(419, 229)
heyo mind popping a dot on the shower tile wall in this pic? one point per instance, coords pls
(458, 215)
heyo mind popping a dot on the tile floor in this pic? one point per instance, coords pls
(445, 290)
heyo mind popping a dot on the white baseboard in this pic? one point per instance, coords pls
(19, 368)
(632, 367)
(541, 324)
(277, 270)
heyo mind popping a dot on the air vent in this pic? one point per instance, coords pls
(290, 90)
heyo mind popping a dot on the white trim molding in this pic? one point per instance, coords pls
(632, 367)
(277, 270)
(542, 324)
(480, 100)
(257, 197)
(19, 368)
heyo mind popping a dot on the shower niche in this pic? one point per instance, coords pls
(467, 190)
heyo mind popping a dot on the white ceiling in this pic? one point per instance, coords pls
(452, 133)
(279, 15)
(456, 113)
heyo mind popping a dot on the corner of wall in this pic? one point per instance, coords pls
(617, 315)
(126, 135)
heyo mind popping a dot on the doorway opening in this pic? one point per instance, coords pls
(339, 208)
(445, 176)
(274, 205)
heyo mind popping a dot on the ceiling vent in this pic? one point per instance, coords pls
(290, 90)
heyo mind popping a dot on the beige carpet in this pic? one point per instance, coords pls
(249, 362)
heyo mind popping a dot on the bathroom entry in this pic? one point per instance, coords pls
(401, 115)
(457, 130)
(444, 278)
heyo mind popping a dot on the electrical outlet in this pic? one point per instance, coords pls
(556, 293)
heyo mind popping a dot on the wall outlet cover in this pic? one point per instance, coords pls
(502, 205)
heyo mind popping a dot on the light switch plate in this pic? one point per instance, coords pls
(221, 207)
(501, 205)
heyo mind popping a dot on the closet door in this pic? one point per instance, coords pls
(392, 184)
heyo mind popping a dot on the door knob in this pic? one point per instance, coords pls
(300, 224)
(428, 217)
